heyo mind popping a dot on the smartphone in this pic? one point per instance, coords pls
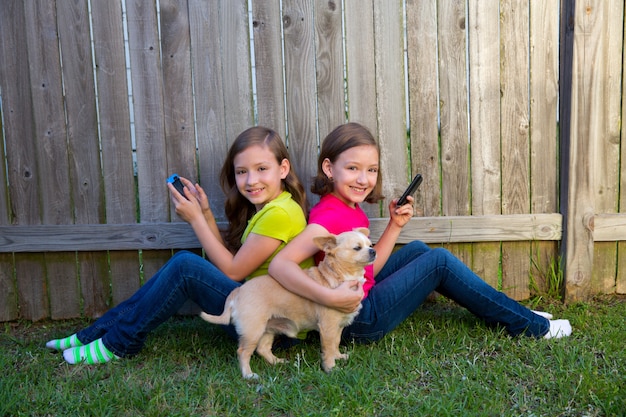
(410, 190)
(174, 179)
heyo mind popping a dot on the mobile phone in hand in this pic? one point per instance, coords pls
(410, 190)
(174, 179)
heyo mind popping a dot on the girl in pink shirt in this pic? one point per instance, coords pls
(398, 282)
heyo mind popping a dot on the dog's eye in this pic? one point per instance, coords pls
(357, 248)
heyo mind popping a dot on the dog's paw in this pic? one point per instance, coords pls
(251, 376)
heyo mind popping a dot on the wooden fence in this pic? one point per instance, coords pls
(511, 110)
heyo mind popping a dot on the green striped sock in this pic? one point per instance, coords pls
(63, 344)
(90, 354)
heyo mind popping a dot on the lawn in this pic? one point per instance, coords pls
(440, 362)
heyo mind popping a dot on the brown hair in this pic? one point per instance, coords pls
(341, 139)
(239, 209)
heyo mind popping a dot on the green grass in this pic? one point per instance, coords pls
(440, 362)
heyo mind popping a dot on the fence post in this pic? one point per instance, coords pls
(576, 149)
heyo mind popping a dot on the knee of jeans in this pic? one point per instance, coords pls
(417, 246)
(183, 256)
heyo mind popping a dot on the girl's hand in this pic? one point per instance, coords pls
(188, 207)
(202, 198)
(402, 214)
(347, 296)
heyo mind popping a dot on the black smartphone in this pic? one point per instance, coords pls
(174, 179)
(410, 190)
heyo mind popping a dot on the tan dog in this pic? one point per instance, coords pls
(262, 308)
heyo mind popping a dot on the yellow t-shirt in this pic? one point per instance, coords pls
(282, 219)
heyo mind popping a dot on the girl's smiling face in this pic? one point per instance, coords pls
(258, 175)
(354, 173)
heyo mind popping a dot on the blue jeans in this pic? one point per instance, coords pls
(186, 276)
(416, 270)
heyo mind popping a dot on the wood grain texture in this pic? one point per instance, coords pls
(424, 102)
(19, 145)
(588, 27)
(50, 132)
(213, 140)
(606, 126)
(390, 98)
(361, 72)
(117, 151)
(484, 121)
(268, 61)
(514, 84)
(153, 236)
(299, 48)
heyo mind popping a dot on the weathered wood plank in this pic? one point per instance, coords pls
(234, 39)
(148, 105)
(453, 102)
(50, 133)
(544, 179)
(331, 110)
(209, 103)
(484, 113)
(299, 47)
(390, 98)
(514, 34)
(424, 102)
(115, 139)
(180, 136)
(153, 236)
(605, 120)
(268, 61)
(360, 72)
(18, 141)
(579, 167)
(87, 188)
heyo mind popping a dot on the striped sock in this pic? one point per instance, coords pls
(90, 354)
(63, 344)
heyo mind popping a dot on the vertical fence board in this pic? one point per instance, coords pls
(453, 102)
(115, 138)
(329, 65)
(84, 152)
(605, 107)
(268, 61)
(544, 38)
(236, 66)
(620, 280)
(17, 142)
(515, 139)
(180, 140)
(361, 71)
(147, 82)
(424, 102)
(390, 99)
(299, 50)
(52, 156)
(484, 111)
(578, 238)
(209, 99)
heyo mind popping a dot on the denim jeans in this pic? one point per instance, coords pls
(186, 276)
(416, 270)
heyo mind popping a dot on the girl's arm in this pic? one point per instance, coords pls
(286, 270)
(399, 217)
(256, 250)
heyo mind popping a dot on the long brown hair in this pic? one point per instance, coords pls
(342, 138)
(239, 209)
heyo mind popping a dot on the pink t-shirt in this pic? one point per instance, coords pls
(337, 217)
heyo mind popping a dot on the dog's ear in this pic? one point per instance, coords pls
(325, 243)
(363, 230)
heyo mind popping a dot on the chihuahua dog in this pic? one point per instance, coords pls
(262, 308)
